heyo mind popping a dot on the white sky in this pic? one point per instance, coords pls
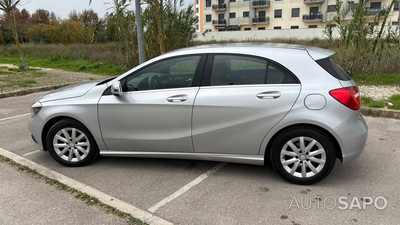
(63, 7)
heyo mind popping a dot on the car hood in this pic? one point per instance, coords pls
(71, 91)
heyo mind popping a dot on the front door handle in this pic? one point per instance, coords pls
(269, 95)
(177, 98)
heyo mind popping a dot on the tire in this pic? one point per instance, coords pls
(71, 144)
(306, 163)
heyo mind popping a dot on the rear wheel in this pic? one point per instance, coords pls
(303, 155)
(71, 144)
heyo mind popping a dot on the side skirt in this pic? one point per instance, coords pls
(232, 158)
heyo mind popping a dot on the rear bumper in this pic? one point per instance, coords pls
(352, 137)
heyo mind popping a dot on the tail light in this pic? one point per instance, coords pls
(348, 96)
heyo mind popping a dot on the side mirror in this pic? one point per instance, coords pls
(116, 88)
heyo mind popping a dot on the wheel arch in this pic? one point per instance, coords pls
(51, 123)
(267, 154)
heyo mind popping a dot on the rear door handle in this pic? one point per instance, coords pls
(269, 95)
(177, 98)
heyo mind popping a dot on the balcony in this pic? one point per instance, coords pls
(312, 1)
(312, 17)
(239, 21)
(261, 3)
(219, 7)
(260, 20)
(219, 23)
(372, 12)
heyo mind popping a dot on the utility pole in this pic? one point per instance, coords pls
(139, 31)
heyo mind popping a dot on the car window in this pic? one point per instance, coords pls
(238, 70)
(171, 73)
(278, 75)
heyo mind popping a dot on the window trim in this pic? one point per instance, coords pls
(196, 78)
(207, 73)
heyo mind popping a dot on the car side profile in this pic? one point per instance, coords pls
(287, 105)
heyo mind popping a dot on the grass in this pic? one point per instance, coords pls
(87, 199)
(395, 100)
(69, 64)
(377, 79)
(369, 102)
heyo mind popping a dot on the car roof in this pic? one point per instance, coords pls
(314, 52)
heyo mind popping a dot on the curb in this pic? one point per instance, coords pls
(140, 214)
(387, 113)
(31, 90)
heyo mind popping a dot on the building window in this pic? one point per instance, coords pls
(261, 28)
(295, 12)
(208, 30)
(197, 2)
(278, 0)
(376, 5)
(247, 28)
(331, 8)
(277, 28)
(197, 10)
(395, 23)
(208, 3)
(232, 0)
(294, 27)
(197, 27)
(396, 6)
(246, 14)
(232, 15)
(208, 18)
(312, 26)
(278, 13)
(352, 7)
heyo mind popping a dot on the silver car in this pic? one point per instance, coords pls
(288, 105)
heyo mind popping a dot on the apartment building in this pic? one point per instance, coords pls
(231, 15)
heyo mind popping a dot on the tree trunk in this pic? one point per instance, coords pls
(14, 31)
(160, 34)
(398, 20)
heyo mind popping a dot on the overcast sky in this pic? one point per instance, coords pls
(63, 8)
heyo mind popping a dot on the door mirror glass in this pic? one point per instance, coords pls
(116, 88)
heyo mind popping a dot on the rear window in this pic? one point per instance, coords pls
(331, 67)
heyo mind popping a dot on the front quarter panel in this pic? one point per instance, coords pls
(82, 109)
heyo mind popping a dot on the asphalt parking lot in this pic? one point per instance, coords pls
(233, 193)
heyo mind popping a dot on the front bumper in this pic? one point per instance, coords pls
(35, 127)
(352, 137)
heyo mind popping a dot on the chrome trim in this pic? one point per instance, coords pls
(249, 85)
(245, 159)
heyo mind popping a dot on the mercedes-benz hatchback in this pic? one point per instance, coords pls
(287, 105)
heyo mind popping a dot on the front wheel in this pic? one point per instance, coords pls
(303, 155)
(71, 144)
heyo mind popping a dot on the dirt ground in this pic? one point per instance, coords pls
(12, 79)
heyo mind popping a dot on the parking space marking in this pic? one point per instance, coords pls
(140, 214)
(13, 117)
(185, 188)
(31, 153)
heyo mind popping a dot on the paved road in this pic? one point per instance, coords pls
(242, 194)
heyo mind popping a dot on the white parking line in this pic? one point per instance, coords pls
(13, 117)
(31, 153)
(185, 188)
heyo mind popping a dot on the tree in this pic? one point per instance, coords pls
(41, 16)
(8, 7)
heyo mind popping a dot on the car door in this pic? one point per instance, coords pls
(241, 98)
(155, 109)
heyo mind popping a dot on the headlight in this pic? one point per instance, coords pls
(35, 108)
